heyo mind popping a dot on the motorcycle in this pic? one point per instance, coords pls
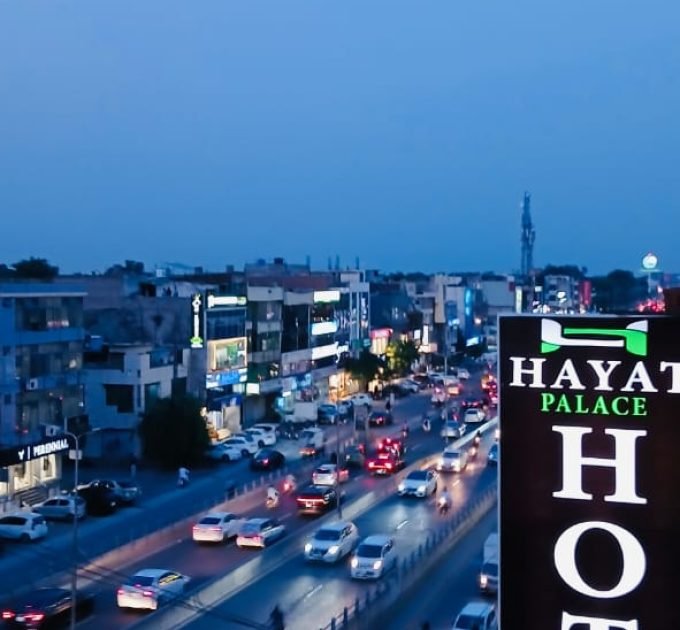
(477, 440)
(426, 426)
(182, 482)
(272, 502)
(289, 486)
(472, 453)
(443, 506)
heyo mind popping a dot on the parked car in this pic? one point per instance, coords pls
(99, 500)
(148, 588)
(262, 438)
(23, 526)
(268, 427)
(126, 491)
(362, 399)
(217, 527)
(46, 608)
(332, 542)
(374, 556)
(260, 532)
(397, 389)
(267, 459)
(463, 374)
(328, 414)
(345, 408)
(410, 385)
(64, 508)
(223, 452)
(246, 446)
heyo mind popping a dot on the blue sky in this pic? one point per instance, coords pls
(405, 133)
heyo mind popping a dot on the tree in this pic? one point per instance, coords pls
(401, 355)
(364, 368)
(35, 269)
(173, 432)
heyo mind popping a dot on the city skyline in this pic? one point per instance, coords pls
(227, 133)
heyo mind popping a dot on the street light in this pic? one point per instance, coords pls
(337, 466)
(74, 542)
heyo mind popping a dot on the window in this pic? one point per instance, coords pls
(120, 396)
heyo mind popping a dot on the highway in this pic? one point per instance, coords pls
(453, 583)
(309, 594)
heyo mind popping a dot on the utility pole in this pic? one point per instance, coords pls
(337, 467)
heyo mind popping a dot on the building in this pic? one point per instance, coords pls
(41, 390)
(121, 381)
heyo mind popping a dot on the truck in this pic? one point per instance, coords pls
(488, 575)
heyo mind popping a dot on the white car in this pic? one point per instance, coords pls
(259, 532)
(374, 556)
(262, 437)
(329, 475)
(224, 452)
(480, 615)
(64, 508)
(410, 386)
(217, 527)
(463, 374)
(439, 395)
(418, 483)
(452, 460)
(23, 526)
(473, 415)
(453, 429)
(147, 589)
(268, 427)
(246, 446)
(332, 542)
(362, 399)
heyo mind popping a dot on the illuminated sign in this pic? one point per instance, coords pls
(227, 355)
(252, 389)
(381, 333)
(325, 351)
(327, 296)
(649, 262)
(27, 452)
(197, 321)
(589, 512)
(225, 300)
(324, 328)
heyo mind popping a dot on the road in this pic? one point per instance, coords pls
(36, 562)
(309, 595)
(447, 588)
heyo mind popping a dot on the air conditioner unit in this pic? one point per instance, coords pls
(32, 384)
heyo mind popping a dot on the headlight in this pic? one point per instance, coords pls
(377, 564)
(483, 581)
(355, 562)
(308, 547)
(422, 488)
(402, 487)
(333, 550)
(441, 461)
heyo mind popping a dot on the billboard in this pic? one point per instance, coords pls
(589, 509)
(227, 362)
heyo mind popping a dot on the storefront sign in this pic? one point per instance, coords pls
(197, 321)
(225, 300)
(324, 328)
(589, 515)
(28, 452)
(326, 296)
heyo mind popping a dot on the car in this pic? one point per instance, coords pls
(217, 527)
(361, 399)
(259, 532)
(267, 427)
(374, 556)
(411, 385)
(453, 387)
(149, 588)
(396, 389)
(452, 413)
(473, 415)
(246, 446)
(453, 429)
(463, 374)
(453, 460)
(355, 456)
(418, 483)
(329, 475)
(380, 419)
(262, 438)
(481, 615)
(126, 491)
(345, 408)
(488, 577)
(46, 608)
(439, 395)
(313, 442)
(332, 542)
(327, 414)
(391, 445)
(23, 526)
(385, 463)
(222, 452)
(492, 456)
(267, 459)
(64, 508)
(471, 401)
(99, 499)
(315, 499)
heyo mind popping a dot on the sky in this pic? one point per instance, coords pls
(215, 132)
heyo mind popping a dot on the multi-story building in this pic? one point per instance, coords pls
(121, 381)
(41, 390)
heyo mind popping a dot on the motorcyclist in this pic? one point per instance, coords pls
(426, 424)
(272, 496)
(444, 501)
(182, 476)
(290, 483)
(478, 438)
(276, 619)
(404, 429)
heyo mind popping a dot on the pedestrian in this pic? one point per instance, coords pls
(133, 467)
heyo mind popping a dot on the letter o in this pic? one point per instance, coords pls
(634, 559)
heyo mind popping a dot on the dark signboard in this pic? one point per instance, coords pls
(589, 472)
(10, 455)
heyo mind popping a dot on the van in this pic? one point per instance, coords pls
(476, 616)
(313, 442)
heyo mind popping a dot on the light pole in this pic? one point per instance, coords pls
(74, 541)
(337, 467)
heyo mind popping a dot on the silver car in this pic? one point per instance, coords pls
(61, 508)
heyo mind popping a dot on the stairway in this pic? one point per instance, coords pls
(34, 495)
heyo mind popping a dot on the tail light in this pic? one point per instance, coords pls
(121, 591)
(35, 616)
(215, 529)
(265, 461)
(7, 614)
(371, 464)
(148, 593)
(388, 465)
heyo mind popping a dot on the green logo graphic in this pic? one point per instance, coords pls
(633, 337)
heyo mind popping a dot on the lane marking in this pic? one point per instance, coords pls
(456, 482)
(401, 524)
(313, 592)
(285, 516)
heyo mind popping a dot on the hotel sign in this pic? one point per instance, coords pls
(26, 452)
(589, 478)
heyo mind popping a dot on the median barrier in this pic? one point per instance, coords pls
(213, 593)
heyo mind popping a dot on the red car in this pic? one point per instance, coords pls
(385, 463)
